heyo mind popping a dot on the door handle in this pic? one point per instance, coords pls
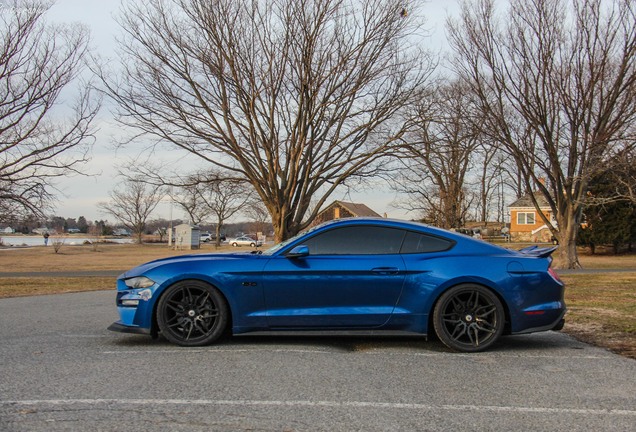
(386, 270)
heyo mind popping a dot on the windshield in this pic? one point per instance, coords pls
(283, 244)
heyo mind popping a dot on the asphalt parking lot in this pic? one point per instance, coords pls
(62, 370)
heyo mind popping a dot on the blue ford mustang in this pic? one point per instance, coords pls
(359, 275)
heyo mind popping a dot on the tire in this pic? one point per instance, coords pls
(235, 244)
(253, 244)
(468, 318)
(192, 313)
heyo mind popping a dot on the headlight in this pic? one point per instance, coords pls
(139, 282)
(133, 298)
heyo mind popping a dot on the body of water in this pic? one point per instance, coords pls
(39, 240)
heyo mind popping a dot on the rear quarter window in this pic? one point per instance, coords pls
(423, 243)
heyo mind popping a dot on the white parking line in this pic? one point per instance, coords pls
(324, 404)
(77, 335)
(501, 355)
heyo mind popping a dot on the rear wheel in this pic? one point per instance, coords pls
(468, 318)
(192, 313)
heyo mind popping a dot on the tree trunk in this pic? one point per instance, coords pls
(281, 230)
(217, 241)
(566, 255)
(284, 222)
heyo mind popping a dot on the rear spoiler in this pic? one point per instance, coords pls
(536, 251)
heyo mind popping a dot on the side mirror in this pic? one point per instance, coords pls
(298, 252)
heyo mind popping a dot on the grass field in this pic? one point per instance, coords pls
(601, 307)
(602, 310)
(86, 258)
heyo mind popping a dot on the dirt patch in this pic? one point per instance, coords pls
(595, 334)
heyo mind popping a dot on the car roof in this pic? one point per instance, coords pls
(412, 225)
(397, 223)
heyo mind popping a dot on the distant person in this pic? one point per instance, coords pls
(46, 238)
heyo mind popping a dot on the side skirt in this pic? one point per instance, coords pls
(400, 333)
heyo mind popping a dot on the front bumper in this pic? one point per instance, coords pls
(135, 308)
(117, 326)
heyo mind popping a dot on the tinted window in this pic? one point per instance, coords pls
(421, 243)
(357, 240)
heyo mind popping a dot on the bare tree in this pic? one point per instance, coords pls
(623, 167)
(202, 195)
(493, 179)
(295, 96)
(557, 84)
(213, 193)
(37, 144)
(133, 204)
(225, 199)
(187, 198)
(439, 157)
(257, 212)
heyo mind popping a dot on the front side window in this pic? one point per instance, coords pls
(357, 240)
(526, 218)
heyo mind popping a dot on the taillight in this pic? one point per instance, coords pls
(554, 275)
(535, 312)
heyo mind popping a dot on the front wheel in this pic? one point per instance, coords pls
(235, 244)
(192, 313)
(468, 318)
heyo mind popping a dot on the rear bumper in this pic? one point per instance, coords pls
(556, 325)
(559, 325)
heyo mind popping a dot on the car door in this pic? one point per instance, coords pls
(351, 278)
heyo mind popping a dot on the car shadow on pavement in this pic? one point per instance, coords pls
(518, 344)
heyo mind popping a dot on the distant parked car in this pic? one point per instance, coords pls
(73, 230)
(245, 241)
(207, 237)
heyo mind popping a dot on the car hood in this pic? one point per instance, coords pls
(143, 268)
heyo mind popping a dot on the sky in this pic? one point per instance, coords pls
(80, 195)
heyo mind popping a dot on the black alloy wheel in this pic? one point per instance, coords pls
(468, 318)
(192, 313)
